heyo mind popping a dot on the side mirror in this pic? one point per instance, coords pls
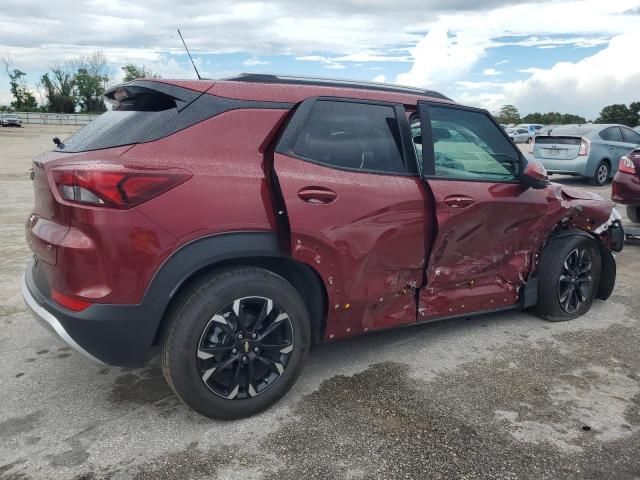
(534, 175)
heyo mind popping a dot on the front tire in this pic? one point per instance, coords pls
(569, 274)
(236, 343)
(634, 214)
(601, 175)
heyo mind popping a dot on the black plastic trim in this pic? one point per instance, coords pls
(205, 251)
(333, 82)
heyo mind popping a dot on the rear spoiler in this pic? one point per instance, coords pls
(150, 96)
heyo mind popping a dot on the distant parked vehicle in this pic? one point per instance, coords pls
(525, 132)
(591, 150)
(521, 135)
(10, 120)
(626, 185)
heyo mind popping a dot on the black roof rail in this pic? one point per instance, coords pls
(332, 82)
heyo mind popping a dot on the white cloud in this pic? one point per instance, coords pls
(455, 43)
(325, 61)
(582, 87)
(380, 78)
(491, 72)
(250, 62)
(440, 57)
(549, 42)
(469, 85)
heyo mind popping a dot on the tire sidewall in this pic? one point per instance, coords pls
(633, 212)
(191, 320)
(549, 277)
(596, 178)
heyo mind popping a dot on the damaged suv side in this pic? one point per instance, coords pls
(235, 223)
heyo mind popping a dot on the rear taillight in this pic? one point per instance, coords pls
(585, 146)
(532, 144)
(70, 303)
(627, 165)
(114, 186)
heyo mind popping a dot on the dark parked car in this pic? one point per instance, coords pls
(235, 223)
(626, 185)
(10, 120)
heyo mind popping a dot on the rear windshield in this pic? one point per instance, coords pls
(542, 140)
(143, 115)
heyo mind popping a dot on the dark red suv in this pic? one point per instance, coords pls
(235, 223)
(626, 185)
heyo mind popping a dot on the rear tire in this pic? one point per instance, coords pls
(601, 175)
(634, 214)
(569, 274)
(236, 342)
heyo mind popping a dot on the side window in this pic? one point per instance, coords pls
(469, 146)
(356, 136)
(631, 136)
(611, 134)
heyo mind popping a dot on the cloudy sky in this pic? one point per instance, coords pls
(561, 55)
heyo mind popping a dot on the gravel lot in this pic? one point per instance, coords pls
(498, 396)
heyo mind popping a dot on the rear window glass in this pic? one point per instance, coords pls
(558, 140)
(631, 136)
(144, 117)
(612, 134)
(357, 136)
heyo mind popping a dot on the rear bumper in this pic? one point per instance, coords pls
(50, 321)
(625, 189)
(119, 335)
(577, 166)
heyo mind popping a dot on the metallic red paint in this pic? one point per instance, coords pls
(625, 188)
(370, 254)
(482, 240)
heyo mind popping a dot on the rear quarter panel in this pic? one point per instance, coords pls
(228, 190)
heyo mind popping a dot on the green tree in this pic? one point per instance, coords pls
(131, 72)
(553, 118)
(58, 86)
(508, 114)
(23, 98)
(91, 77)
(618, 113)
(635, 109)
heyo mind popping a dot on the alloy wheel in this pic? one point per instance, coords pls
(575, 280)
(245, 348)
(602, 174)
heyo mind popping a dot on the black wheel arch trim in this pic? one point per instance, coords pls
(261, 249)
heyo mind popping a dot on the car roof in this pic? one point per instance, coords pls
(281, 88)
(333, 82)
(583, 129)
